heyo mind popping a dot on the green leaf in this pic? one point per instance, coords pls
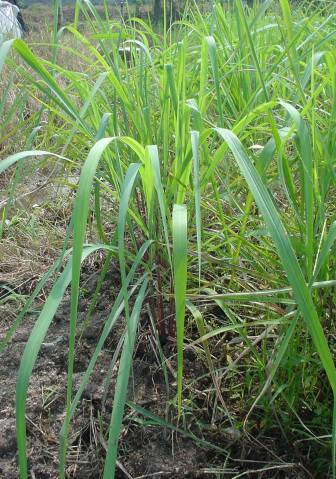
(180, 285)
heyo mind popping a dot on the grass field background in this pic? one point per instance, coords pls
(196, 157)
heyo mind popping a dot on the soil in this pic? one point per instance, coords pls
(145, 451)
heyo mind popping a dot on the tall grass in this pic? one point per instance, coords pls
(215, 138)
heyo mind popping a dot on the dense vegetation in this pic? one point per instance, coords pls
(212, 141)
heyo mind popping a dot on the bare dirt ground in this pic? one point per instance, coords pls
(147, 448)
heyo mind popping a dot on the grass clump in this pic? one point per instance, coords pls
(204, 150)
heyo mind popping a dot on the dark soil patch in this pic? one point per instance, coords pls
(147, 449)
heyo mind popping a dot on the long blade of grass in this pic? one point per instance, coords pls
(154, 158)
(57, 93)
(126, 192)
(325, 250)
(180, 285)
(197, 194)
(11, 160)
